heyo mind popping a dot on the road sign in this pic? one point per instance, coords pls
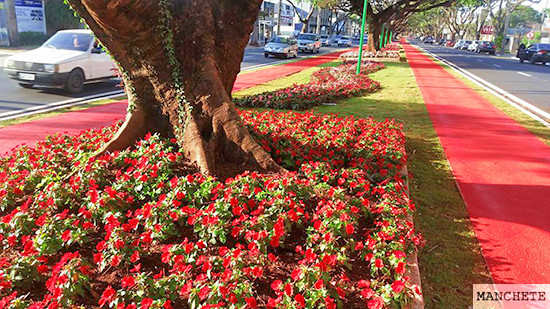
(487, 30)
(531, 35)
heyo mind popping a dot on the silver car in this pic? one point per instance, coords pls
(309, 42)
(282, 47)
(325, 39)
(344, 41)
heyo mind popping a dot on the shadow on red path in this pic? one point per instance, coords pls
(502, 171)
(104, 115)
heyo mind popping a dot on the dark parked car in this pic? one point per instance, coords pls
(486, 47)
(428, 40)
(537, 52)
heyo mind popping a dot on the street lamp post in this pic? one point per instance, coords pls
(362, 37)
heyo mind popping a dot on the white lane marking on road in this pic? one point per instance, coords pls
(525, 74)
(513, 58)
(496, 65)
(479, 60)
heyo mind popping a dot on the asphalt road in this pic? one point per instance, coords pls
(529, 82)
(14, 98)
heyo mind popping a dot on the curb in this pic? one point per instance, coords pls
(413, 269)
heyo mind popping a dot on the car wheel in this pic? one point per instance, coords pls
(266, 55)
(543, 63)
(287, 55)
(75, 81)
(521, 60)
(318, 50)
(27, 86)
(532, 60)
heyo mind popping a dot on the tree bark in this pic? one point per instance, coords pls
(13, 31)
(180, 59)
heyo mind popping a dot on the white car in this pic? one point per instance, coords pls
(70, 58)
(344, 41)
(473, 46)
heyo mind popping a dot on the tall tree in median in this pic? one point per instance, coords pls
(179, 60)
(382, 12)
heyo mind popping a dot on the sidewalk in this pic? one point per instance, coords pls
(104, 115)
(502, 171)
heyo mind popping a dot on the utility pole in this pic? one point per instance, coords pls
(279, 17)
(13, 31)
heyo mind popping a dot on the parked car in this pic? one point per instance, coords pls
(309, 42)
(538, 52)
(486, 47)
(472, 46)
(441, 41)
(449, 43)
(344, 41)
(69, 59)
(325, 40)
(428, 40)
(281, 46)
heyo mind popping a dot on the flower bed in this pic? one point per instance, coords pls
(327, 85)
(138, 229)
(385, 54)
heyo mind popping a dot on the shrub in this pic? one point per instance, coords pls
(32, 38)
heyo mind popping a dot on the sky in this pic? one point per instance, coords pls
(539, 6)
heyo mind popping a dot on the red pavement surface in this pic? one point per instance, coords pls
(248, 80)
(502, 171)
(96, 117)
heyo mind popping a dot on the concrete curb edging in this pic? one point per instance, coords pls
(413, 269)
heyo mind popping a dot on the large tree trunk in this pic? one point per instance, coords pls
(374, 36)
(180, 59)
(13, 31)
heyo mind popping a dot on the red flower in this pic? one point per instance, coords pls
(108, 296)
(300, 300)
(66, 236)
(251, 302)
(296, 274)
(350, 229)
(128, 281)
(378, 263)
(376, 303)
(319, 284)
(398, 286)
(204, 292)
(146, 303)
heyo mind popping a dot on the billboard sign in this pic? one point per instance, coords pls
(487, 30)
(30, 15)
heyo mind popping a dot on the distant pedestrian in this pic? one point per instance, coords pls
(521, 49)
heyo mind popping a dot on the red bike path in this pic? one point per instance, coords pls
(99, 116)
(502, 171)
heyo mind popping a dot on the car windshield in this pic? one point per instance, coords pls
(279, 39)
(468, 42)
(309, 37)
(544, 46)
(70, 41)
(324, 36)
(344, 38)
